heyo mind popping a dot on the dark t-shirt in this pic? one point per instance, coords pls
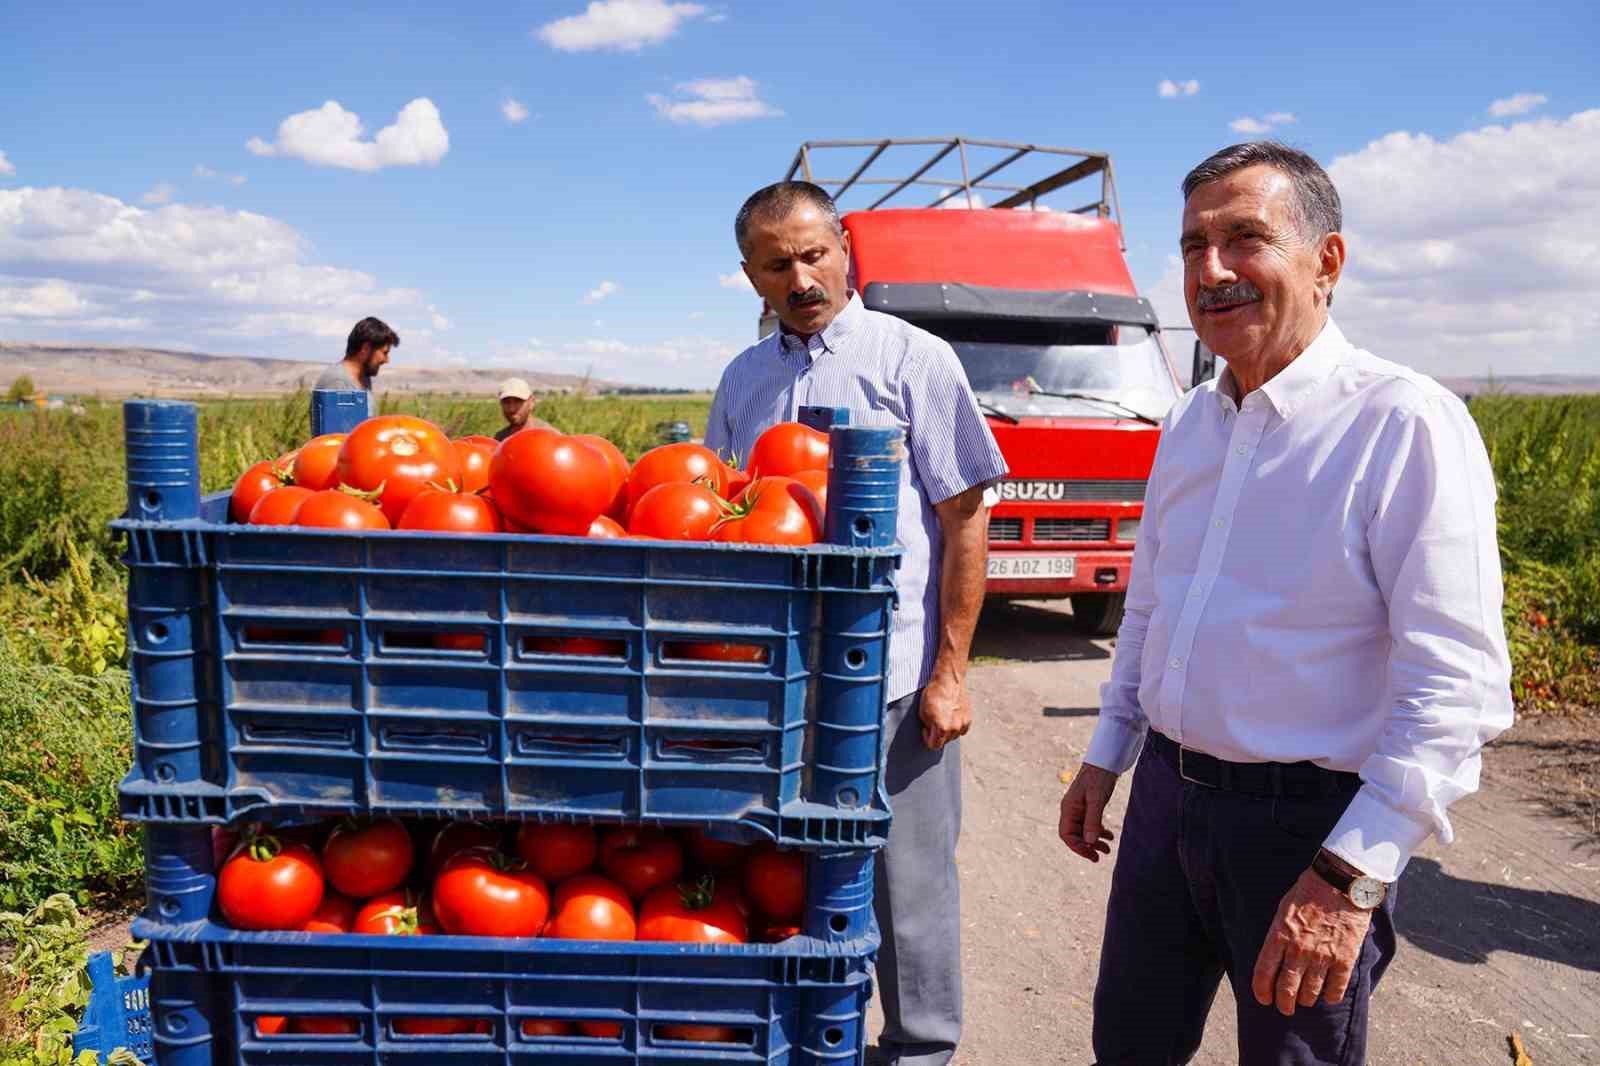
(531, 423)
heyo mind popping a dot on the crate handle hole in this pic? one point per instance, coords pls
(176, 1022)
(833, 1036)
(168, 907)
(581, 646)
(862, 525)
(152, 500)
(157, 632)
(166, 773)
(848, 797)
(719, 651)
(855, 658)
(839, 923)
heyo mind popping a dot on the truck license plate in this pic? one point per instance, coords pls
(1009, 567)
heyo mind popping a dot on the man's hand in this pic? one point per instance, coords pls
(1312, 947)
(1082, 810)
(945, 710)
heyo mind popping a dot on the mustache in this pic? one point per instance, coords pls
(814, 295)
(1239, 292)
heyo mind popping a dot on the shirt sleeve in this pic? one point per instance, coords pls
(950, 442)
(1431, 539)
(1120, 730)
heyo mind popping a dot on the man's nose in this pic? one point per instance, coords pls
(1213, 272)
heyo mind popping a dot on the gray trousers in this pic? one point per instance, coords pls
(918, 896)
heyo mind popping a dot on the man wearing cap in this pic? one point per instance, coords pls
(516, 404)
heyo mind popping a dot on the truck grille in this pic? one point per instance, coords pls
(1005, 529)
(1059, 490)
(1092, 529)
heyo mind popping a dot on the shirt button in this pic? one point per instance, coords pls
(1218, 523)
(1176, 663)
(1241, 449)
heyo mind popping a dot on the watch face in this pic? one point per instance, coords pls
(1366, 892)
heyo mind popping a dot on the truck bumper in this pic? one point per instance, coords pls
(1093, 568)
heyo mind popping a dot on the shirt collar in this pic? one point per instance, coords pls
(829, 338)
(1290, 387)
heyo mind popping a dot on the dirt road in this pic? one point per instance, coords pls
(1500, 932)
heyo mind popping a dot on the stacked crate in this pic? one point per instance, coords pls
(282, 675)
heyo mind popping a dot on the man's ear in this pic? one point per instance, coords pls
(1330, 263)
(748, 276)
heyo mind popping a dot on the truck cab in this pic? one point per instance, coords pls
(1065, 358)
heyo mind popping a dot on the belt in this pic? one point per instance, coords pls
(1299, 780)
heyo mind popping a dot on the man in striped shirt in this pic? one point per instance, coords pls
(831, 351)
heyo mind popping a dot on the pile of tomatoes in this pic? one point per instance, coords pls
(402, 472)
(568, 882)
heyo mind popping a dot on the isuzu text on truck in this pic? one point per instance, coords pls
(1063, 354)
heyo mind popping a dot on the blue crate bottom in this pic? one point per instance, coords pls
(797, 1003)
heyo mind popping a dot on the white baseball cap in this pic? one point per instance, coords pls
(515, 388)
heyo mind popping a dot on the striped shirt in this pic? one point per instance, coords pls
(888, 373)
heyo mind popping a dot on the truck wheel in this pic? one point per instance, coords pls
(1098, 614)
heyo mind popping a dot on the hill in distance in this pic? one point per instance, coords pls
(89, 370)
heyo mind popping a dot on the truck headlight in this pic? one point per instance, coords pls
(1127, 529)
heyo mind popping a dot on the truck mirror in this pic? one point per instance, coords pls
(1204, 367)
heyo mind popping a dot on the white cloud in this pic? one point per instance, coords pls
(78, 261)
(1519, 104)
(331, 136)
(203, 171)
(1169, 89)
(513, 110)
(735, 280)
(160, 193)
(1456, 276)
(1264, 124)
(439, 321)
(600, 292)
(618, 25)
(959, 202)
(713, 101)
(237, 179)
(6, 167)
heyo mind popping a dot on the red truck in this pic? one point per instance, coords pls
(1064, 356)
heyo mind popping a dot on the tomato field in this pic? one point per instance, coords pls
(64, 689)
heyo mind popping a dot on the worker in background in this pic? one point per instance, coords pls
(365, 352)
(516, 405)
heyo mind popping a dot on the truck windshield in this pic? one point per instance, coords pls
(1117, 362)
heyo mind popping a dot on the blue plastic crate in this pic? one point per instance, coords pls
(118, 1015)
(294, 670)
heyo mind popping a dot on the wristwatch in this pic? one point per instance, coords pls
(1365, 892)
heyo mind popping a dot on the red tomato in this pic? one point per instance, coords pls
(607, 528)
(671, 463)
(557, 852)
(480, 892)
(459, 836)
(398, 913)
(817, 482)
(775, 883)
(337, 509)
(699, 913)
(334, 914)
(474, 453)
(593, 646)
(676, 510)
(715, 651)
(640, 859)
(316, 464)
(734, 481)
(704, 1034)
(327, 1026)
(549, 482)
(546, 1027)
(365, 859)
(269, 884)
(773, 510)
(619, 471)
(271, 1025)
(450, 512)
(590, 907)
(434, 1026)
(280, 507)
(397, 456)
(253, 484)
(601, 1030)
(712, 853)
(777, 932)
(786, 449)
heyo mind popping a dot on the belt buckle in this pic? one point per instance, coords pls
(1184, 773)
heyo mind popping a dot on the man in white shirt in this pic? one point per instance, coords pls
(1312, 655)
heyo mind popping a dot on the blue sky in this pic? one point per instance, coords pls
(596, 229)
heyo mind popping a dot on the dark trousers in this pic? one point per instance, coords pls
(1199, 876)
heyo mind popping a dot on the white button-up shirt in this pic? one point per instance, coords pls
(1317, 579)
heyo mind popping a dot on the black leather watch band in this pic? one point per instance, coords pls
(1332, 871)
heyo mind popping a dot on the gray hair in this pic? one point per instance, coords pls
(776, 201)
(1316, 201)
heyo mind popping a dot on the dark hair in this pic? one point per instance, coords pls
(373, 331)
(1316, 201)
(777, 200)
